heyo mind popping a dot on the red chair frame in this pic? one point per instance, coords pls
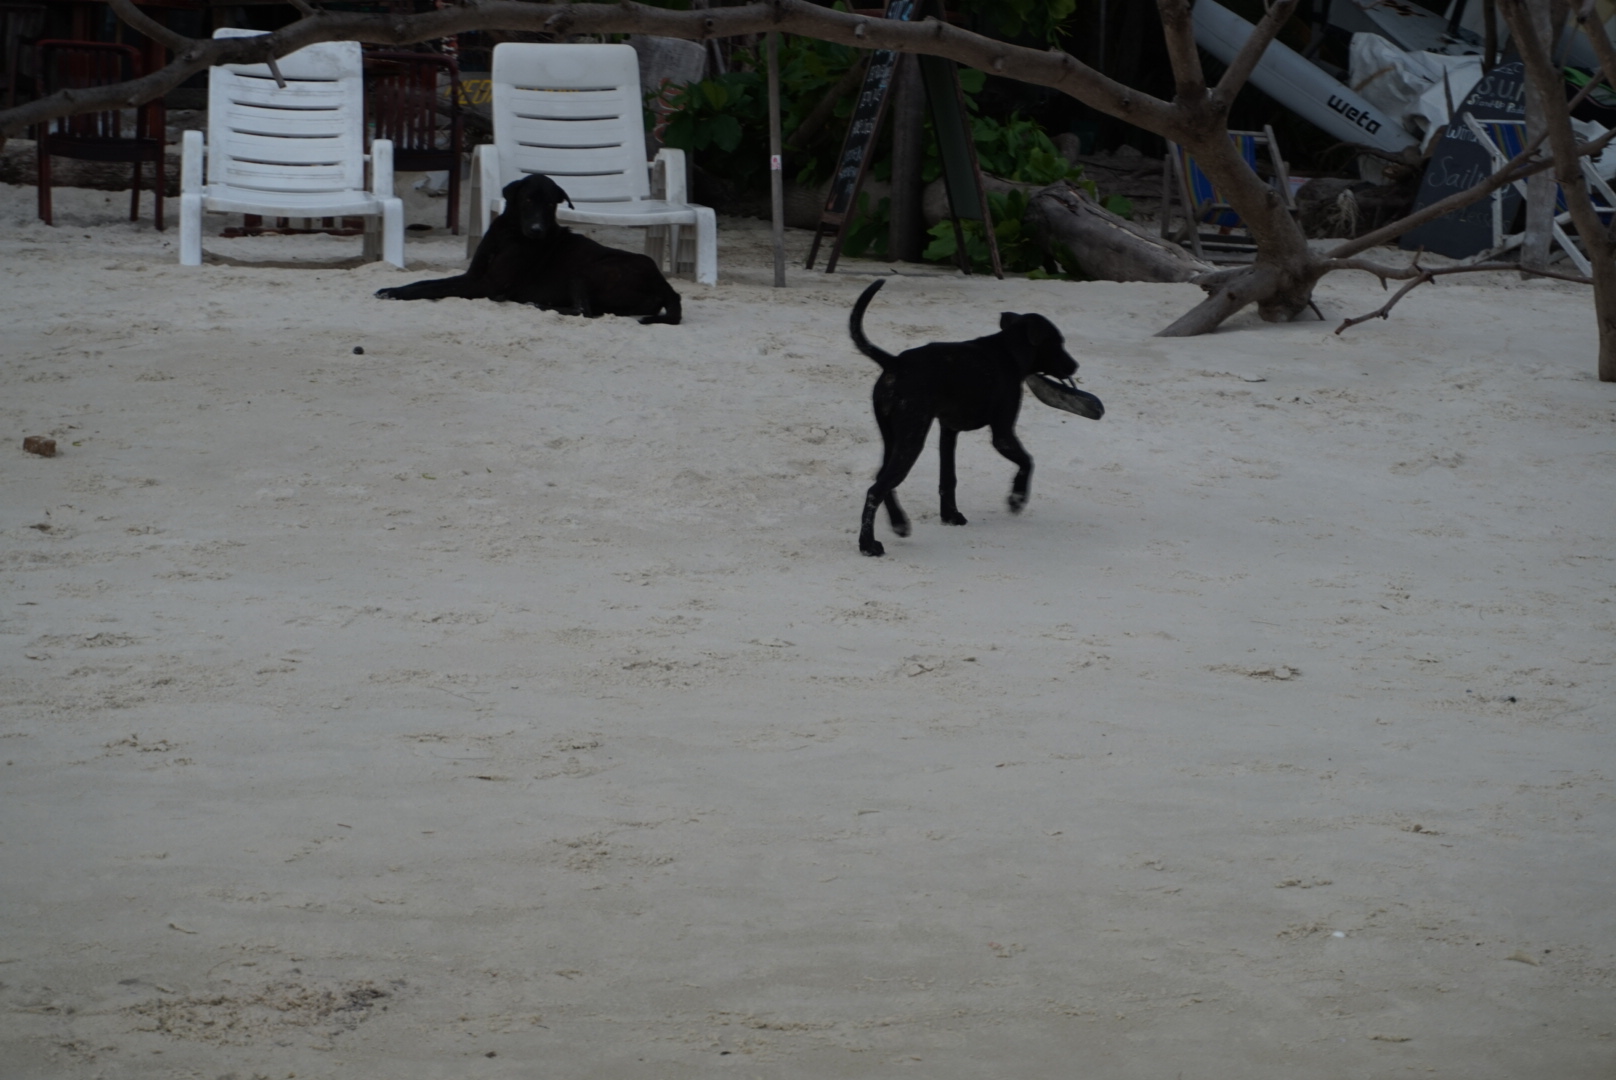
(60, 64)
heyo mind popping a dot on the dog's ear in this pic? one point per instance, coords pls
(564, 195)
(1024, 336)
(510, 189)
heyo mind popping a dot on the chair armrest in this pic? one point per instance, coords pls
(381, 168)
(673, 164)
(191, 162)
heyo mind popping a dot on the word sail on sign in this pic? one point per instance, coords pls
(961, 172)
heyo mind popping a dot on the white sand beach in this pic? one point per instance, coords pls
(511, 700)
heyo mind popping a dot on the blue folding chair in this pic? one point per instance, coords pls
(1209, 222)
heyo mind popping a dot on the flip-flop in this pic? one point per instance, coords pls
(1063, 395)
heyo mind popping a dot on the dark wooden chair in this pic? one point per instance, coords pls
(405, 103)
(98, 136)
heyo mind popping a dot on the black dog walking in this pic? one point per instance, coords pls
(526, 256)
(962, 385)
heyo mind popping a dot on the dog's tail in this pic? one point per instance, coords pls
(855, 325)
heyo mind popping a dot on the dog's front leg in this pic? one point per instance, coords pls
(868, 544)
(1006, 443)
(947, 439)
(463, 286)
(580, 299)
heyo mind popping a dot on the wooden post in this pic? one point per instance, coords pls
(906, 224)
(776, 177)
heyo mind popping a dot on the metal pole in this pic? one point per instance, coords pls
(776, 178)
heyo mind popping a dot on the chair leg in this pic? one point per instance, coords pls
(190, 230)
(134, 195)
(656, 242)
(44, 182)
(392, 226)
(683, 256)
(706, 246)
(157, 195)
(454, 199)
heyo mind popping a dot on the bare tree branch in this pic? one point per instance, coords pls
(1051, 68)
(1519, 167)
(1178, 27)
(1592, 26)
(1420, 276)
(1251, 53)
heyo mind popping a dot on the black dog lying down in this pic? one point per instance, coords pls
(527, 257)
(963, 385)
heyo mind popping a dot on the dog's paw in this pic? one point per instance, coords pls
(1018, 501)
(900, 525)
(953, 517)
(387, 294)
(871, 547)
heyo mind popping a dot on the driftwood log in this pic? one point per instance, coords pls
(1102, 245)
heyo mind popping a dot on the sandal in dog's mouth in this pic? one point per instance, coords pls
(1065, 395)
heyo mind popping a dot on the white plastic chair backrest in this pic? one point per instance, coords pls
(307, 136)
(573, 113)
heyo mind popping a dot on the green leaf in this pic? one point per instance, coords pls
(1118, 205)
(725, 133)
(716, 93)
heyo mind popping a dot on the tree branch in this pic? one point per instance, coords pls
(1421, 276)
(1518, 168)
(1178, 28)
(1051, 68)
(1251, 53)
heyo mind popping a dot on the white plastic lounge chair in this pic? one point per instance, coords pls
(1503, 140)
(290, 151)
(574, 113)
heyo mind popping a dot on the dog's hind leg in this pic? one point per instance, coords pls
(898, 458)
(1006, 443)
(947, 439)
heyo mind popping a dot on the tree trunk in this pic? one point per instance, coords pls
(1540, 189)
(1102, 245)
(1544, 76)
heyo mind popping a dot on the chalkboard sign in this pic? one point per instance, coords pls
(858, 146)
(1459, 162)
(867, 115)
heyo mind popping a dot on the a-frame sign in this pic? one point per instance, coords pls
(962, 174)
